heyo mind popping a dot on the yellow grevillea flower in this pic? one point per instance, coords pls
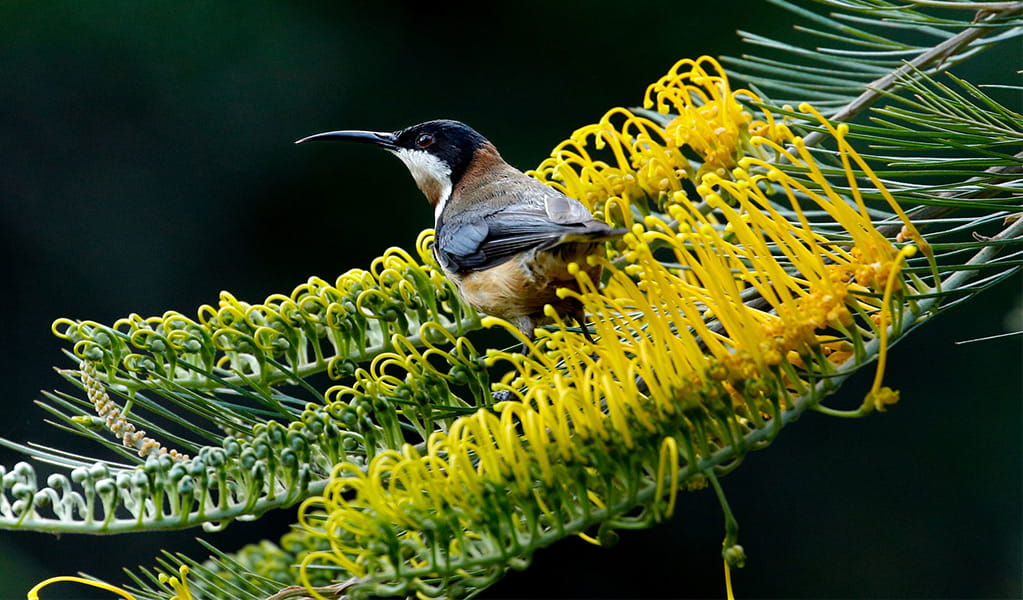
(634, 158)
(717, 316)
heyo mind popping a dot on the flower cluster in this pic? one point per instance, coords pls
(628, 161)
(717, 317)
(751, 280)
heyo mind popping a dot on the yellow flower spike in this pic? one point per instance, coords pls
(679, 347)
(710, 119)
(33, 594)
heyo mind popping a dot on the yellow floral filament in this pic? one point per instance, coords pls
(33, 594)
(179, 585)
(728, 582)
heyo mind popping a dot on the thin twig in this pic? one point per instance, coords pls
(962, 4)
(877, 88)
(936, 211)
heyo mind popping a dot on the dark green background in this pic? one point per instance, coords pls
(146, 164)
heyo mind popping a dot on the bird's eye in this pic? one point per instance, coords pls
(424, 140)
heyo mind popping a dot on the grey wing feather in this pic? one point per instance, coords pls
(562, 209)
(466, 238)
(481, 244)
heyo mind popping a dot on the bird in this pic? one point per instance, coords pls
(503, 238)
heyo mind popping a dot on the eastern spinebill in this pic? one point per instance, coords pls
(504, 239)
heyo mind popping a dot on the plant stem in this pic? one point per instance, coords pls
(877, 88)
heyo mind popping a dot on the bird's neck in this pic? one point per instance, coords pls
(432, 175)
(480, 182)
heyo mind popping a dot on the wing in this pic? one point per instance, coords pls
(548, 221)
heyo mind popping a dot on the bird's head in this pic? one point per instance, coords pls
(437, 153)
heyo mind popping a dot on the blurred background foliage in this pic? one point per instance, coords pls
(147, 164)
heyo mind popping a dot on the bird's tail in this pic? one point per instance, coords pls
(597, 232)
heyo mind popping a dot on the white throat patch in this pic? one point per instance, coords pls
(431, 174)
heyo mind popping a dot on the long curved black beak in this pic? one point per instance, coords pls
(384, 140)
